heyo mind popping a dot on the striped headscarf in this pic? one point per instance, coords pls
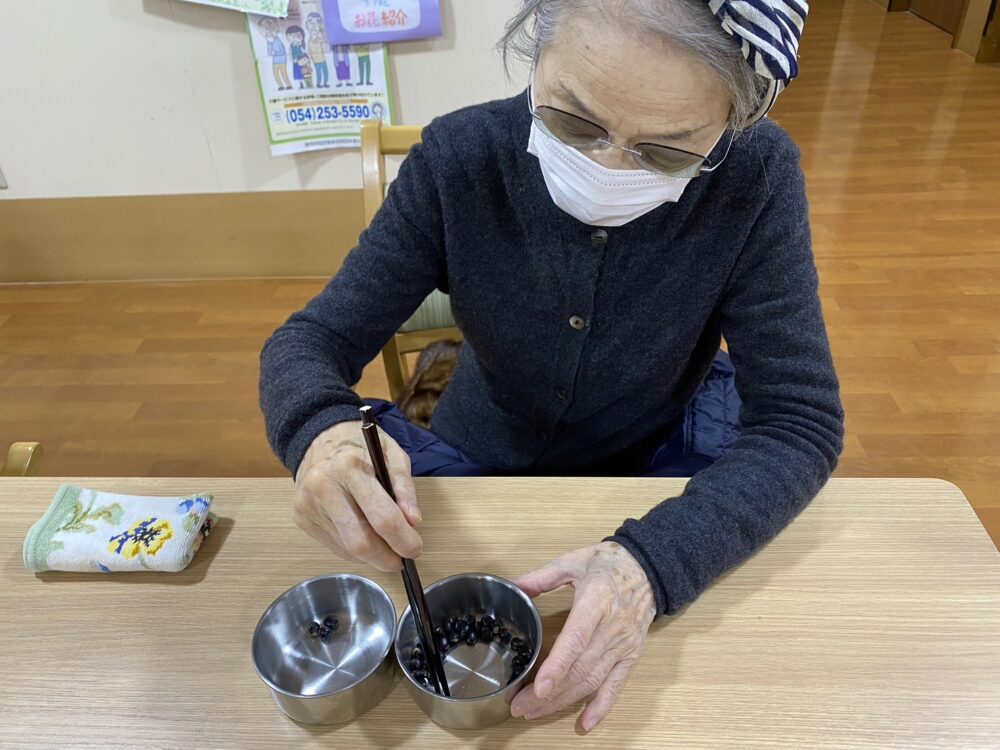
(768, 32)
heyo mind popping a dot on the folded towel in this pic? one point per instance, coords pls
(90, 531)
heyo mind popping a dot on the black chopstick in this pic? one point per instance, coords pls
(411, 579)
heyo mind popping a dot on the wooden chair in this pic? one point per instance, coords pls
(23, 460)
(432, 320)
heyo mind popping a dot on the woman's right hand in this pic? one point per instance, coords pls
(339, 502)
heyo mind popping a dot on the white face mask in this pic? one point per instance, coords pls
(594, 194)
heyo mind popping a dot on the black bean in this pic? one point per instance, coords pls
(314, 628)
(325, 632)
(487, 621)
(454, 637)
(464, 630)
(505, 636)
(331, 622)
(439, 631)
(520, 662)
(471, 638)
(471, 619)
(516, 643)
(414, 665)
(443, 643)
(417, 653)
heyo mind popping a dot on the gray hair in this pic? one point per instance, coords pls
(688, 24)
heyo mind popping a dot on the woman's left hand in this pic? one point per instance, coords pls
(613, 607)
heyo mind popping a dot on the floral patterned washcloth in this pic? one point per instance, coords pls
(89, 531)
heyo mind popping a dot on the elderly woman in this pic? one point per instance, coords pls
(599, 235)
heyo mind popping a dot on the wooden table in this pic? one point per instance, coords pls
(872, 621)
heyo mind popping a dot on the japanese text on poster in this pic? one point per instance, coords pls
(357, 21)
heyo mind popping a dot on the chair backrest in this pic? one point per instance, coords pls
(377, 140)
(433, 319)
(23, 460)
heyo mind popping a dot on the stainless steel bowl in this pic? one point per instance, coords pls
(477, 675)
(328, 681)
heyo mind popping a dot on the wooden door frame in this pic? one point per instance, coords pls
(989, 46)
(982, 46)
(979, 31)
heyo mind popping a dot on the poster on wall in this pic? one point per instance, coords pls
(275, 8)
(360, 21)
(315, 94)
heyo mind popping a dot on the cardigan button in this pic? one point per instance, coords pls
(599, 237)
(578, 323)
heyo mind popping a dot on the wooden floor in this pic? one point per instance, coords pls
(901, 145)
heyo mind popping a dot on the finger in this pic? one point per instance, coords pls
(310, 515)
(576, 635)
(603, 651)
(304, 513)
(328, 538)
(382, 514)
(533, 708)
(606, 695)
(324, 499)
(357, 536)
(589, 669)
(398, 463)
(559, 572)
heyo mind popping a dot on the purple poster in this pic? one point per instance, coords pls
(364, 21)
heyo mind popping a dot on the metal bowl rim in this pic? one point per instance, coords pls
(520, 677)
(281, 597)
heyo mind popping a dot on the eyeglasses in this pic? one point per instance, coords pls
(585, 135)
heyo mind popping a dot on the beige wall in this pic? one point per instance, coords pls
(970, 31)
(141, 97)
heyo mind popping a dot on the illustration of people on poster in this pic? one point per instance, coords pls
(315, 95)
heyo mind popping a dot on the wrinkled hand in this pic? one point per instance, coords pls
(339, 502)
(613, 607)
